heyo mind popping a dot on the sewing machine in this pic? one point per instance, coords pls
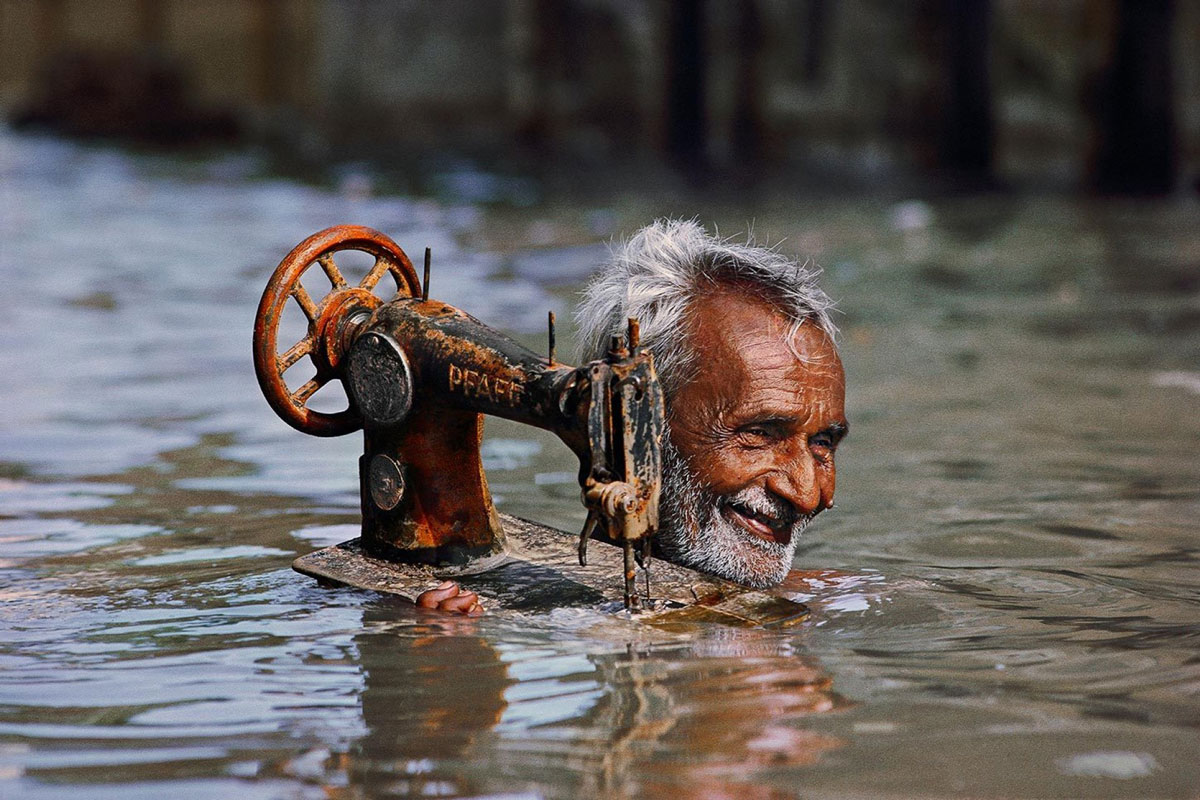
(420, 375)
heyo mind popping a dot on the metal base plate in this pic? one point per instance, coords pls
(541, 571)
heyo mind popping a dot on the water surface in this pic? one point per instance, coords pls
(1016, 604)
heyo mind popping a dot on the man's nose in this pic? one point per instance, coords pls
(798, 482)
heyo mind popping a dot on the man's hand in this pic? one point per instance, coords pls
(450, 597)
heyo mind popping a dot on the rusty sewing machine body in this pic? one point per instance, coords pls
(420, 375)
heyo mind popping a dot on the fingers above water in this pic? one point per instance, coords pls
(463, 603)
(449, 596)
(432, 597)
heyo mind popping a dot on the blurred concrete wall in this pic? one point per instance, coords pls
(239, 52)
(1014, 89)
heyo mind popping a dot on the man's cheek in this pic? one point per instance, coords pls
(725, 471)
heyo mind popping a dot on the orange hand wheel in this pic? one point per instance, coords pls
(326, 340)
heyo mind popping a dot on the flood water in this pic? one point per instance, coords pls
(1014, 607)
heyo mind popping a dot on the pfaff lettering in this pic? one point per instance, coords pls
(473, 383)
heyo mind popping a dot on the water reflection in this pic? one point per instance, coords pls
(447, 711)
(429, 692)
(1015, 612)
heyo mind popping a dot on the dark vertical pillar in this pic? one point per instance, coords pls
(748, 120)
(814, 35)
(967, 136)
(1136, 149)
(685, 129)
(542, 126)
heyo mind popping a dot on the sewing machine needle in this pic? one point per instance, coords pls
(632, 602)
(646, 563)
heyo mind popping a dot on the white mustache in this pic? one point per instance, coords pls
(760, 501)
(695, 533)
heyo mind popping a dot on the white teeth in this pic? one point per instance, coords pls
(757, 515)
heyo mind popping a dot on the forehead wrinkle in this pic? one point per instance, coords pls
(747, 363)
(804, 408)
(794, 390)
(782, 387)
(745, 322)
(759, 350)
(810, 344)
(780, 371)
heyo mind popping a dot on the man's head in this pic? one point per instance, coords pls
(754, 392)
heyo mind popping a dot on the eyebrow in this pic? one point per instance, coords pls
(837, 431)
(773, 420)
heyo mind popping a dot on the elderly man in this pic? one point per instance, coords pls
(754, 393)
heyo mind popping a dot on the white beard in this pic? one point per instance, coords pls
(694, 533)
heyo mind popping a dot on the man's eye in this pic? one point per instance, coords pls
(755, 435)
(823, 444)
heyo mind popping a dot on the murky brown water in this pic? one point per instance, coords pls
(1016, 521)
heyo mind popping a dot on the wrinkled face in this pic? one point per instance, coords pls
(752, 435)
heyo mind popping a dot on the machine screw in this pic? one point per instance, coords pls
(386, 482)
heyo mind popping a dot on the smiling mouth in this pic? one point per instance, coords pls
(762, 525)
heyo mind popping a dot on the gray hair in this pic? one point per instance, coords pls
(657, 273)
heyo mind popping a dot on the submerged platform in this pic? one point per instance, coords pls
(541, 571)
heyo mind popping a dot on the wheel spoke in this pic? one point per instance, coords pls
(331, 269)
(297, 351)
(306, 391)
(306, 303)
(377, 269)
